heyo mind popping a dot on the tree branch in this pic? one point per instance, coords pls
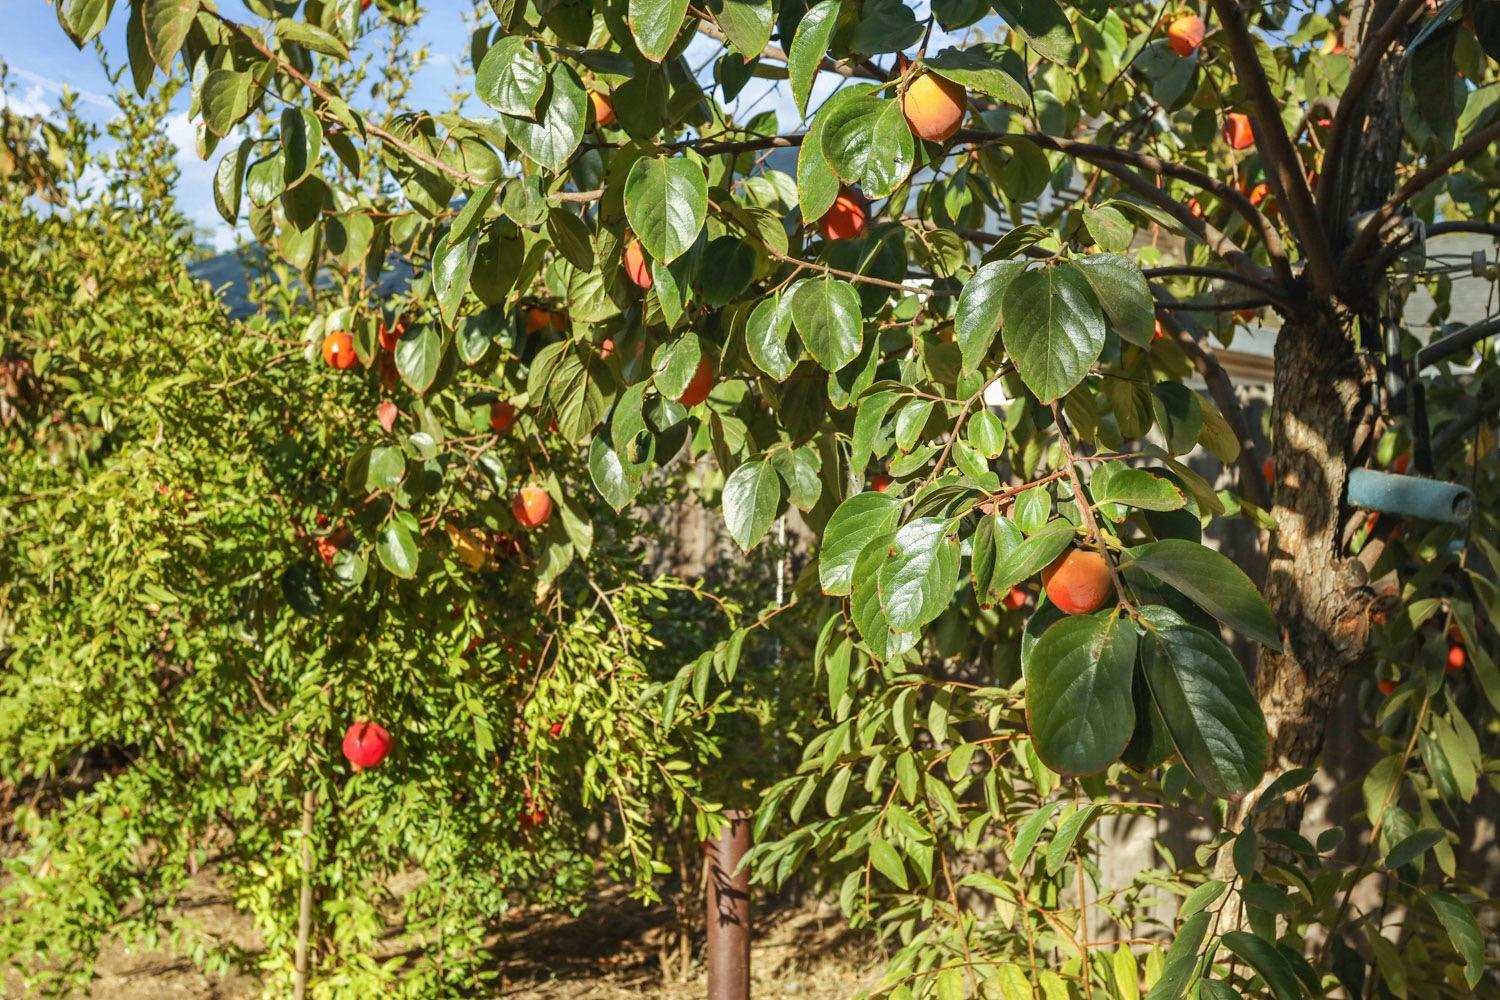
(1276, 147)
(1212, 273)
(1435, 170)
(1230, 305)
(1388, 256)
(777, 54)
(1194, 343)
(1103, 155)
(1454, 431)
(1370, 54)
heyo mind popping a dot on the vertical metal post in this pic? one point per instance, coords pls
(729, 910)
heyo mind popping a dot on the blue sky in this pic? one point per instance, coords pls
(41, 62)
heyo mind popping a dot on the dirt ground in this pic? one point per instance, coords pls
(612, 952)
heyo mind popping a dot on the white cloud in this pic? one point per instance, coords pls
(32, 104)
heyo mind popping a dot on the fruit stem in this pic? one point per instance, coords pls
(1086, 512)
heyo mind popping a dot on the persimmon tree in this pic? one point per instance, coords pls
(1021, 391)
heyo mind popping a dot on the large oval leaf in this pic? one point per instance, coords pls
(511, 79)
(858, 521)
(1210, 711)
(751, 496)
(867, 142)
(551, 139)
(1054, 329)
(1078, 700)
(976, 318)
(666, 202)
(826, 312)
(919, 573)
(1211, 581)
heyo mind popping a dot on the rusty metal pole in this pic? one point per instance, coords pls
(729, 910)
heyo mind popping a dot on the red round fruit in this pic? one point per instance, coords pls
(1078, 582)
(604, 109)
(637, 268)
(1015, 599)
(502, 415)
(846, 219)
(366, 744)
(1387, 688)
(532, 507)
(701, 385)
(1402, 463)
(1238, 131)
(934, 107)
(1268, 469)
(1457, 657)
(555, 730)
(389, 334)
(338, 350)
(880, 482)
(1185, 34)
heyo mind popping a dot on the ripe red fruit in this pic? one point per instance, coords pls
(387, 413)
(880, 482)
(543, 319)
(328, 546)
(1015, 599)
(1077, 582)
(366, 744)
(1457, 657)
(1387, 688)
(1185, 34)
(604, 110)
(1238, 131)
(389, 334)
(555, 730)
(1401, 463)
(701, 385)
(846, 219)
(502, 415)
(1268, 469)
(338, 350)
(637, 268)
(532, 507)
(934, 107)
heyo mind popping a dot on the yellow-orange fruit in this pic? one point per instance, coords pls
(934, 107)
(1077, 582)
(701, 384)
(1457, 657)
(637, 268)
(604, 111)
(1185, 34)
(1238, 131)
(846, 219)
(338, 350)
(532, 507)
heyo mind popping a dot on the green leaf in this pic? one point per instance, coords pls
(1265, 959)
(666, 202)
(1179, 415)
(867, 142)
(826, 312)
(809, 45)
(385, 469)
(655, 24)
(609, 474)
(857, 522)
(886, 861)
(1123, 294)
(395, 547)
(1054, 329)
(1412, 847)
(1017, 558)
(865, 605)
(166, 23)
(1078, 699)
(979, 67)
(1068, 831)
(229, 181)
(552, 138)
(1210, 711)
(452, 263)
(571, 236)
(225, 97)
(747, 23)
(976, 318)
(511, 79)
(766, 337)
(1114, 482)
(919, 573)
(752, 494)
(1044, 24)
(1182, 958)
(81, 20)
(1463, 931)
(418, 355)
(1211, 581)
(1029, 833)
(301, 145)
(311, 37)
